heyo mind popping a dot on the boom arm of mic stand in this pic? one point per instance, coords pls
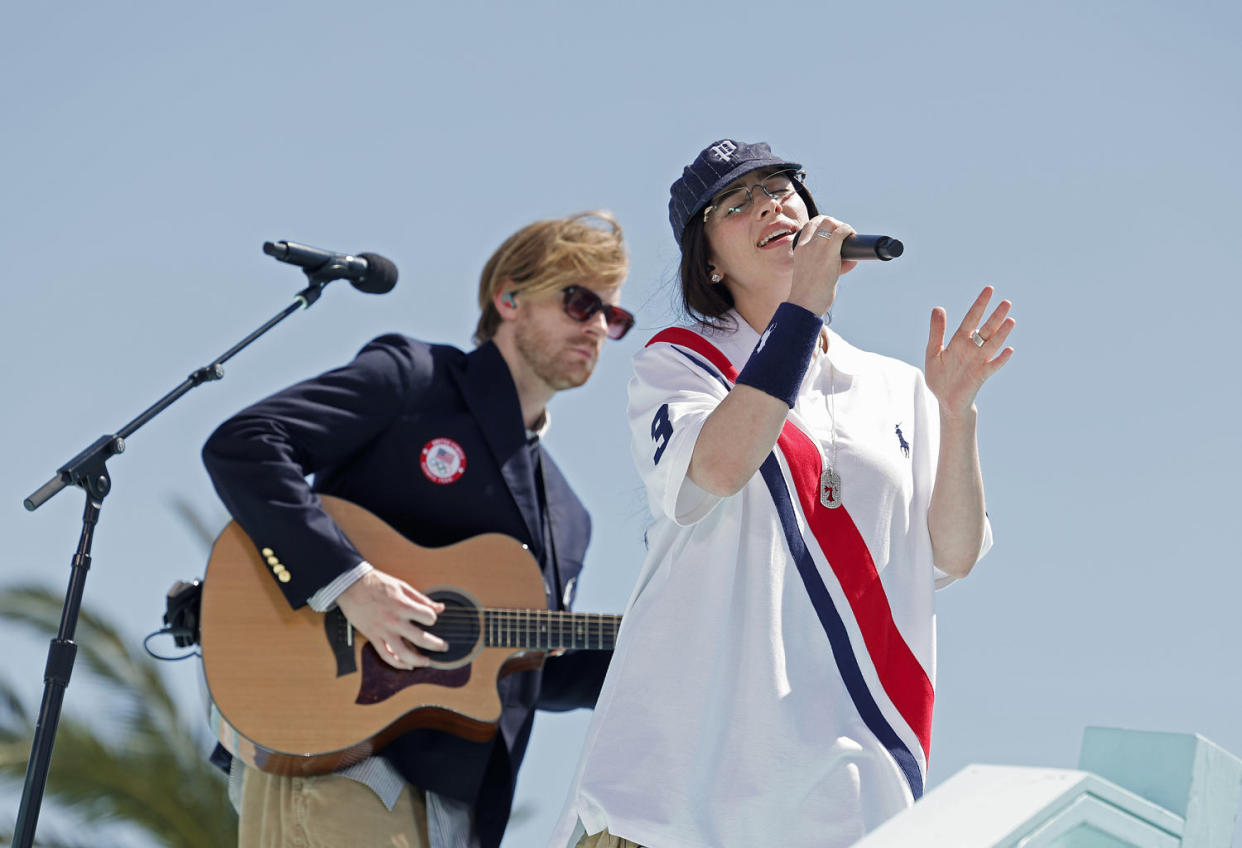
(89, 471)
(75, 471)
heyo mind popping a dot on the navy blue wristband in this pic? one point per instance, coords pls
(779, 362)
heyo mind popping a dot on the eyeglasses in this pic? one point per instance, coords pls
(777, 186)
(581, 304)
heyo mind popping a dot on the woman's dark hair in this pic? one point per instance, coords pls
(701, 299)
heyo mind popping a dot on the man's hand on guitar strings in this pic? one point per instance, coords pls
(387, 611)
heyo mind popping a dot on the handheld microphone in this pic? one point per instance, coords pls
(367, 272)
(859, 246)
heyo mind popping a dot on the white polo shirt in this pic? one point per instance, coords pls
(773, 679)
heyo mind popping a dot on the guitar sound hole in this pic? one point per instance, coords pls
(459, 625)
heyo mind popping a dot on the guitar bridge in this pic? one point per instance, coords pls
(340, 635)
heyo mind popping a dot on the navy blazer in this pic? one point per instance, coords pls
(360, 430)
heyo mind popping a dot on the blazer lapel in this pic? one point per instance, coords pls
(487, 386)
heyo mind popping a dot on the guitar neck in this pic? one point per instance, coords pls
(547, 630)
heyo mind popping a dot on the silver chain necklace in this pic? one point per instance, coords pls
(830, 480)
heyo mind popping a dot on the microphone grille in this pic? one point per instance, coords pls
(380, 277)
(890, 248)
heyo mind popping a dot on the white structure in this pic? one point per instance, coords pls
(1131, 788)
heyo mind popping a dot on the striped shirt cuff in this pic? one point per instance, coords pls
(325, 598)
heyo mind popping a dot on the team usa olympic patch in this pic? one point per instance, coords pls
(443, 461)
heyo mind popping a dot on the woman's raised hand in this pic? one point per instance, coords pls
(956, 371)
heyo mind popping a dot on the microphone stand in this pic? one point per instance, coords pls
(88, 471)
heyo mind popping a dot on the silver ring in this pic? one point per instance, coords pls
(823, 234)
(979, 340)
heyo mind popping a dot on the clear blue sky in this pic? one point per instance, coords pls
(1082, 157)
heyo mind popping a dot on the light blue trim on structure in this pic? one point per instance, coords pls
(1012, 806)
(1182, 772)
(1134, 789)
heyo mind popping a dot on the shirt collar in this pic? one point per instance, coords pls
(845, 358)
(540, 428)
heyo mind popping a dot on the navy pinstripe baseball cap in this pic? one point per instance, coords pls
(719, 164)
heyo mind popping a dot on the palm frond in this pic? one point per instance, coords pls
(104, 783)
(144, 703)
(154, 774)
(13, 716)
(49, 835)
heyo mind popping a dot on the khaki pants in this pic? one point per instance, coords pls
(604, 839)
(328, 811)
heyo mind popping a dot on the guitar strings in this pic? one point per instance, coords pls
(502, 611)
(565, 627)
(510, 617)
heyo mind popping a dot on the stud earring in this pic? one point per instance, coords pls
(716, 278)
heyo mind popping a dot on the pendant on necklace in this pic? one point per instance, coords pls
(830, 488)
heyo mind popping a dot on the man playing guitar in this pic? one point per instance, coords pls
(442, 446)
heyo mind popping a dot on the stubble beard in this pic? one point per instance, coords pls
(546, 358)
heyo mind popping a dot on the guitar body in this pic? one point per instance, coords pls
(296, 692)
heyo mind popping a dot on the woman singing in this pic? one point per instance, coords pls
(773, 682)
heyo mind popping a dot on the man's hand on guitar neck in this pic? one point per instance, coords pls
(388, 611)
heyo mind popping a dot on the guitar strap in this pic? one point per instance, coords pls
(546, 525)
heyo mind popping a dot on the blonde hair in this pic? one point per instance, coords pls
(551, 255)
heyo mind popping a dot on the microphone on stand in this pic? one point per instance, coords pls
(367, 272)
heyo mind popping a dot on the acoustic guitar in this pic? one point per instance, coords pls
(298, 692)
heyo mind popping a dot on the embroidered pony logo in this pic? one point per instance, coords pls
(902, 443)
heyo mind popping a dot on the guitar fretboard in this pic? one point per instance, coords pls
(546, 630)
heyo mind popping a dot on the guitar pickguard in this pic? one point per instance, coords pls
(380, 681)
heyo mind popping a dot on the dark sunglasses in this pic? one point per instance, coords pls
(581, 304)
